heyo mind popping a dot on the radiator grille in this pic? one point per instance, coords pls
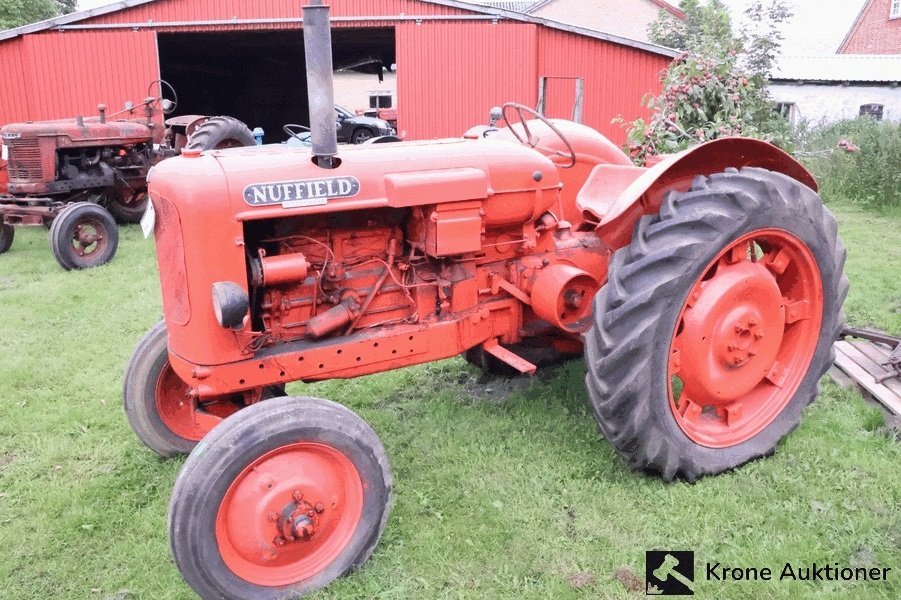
(25, 160)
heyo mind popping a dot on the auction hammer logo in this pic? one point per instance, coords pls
(670, 572)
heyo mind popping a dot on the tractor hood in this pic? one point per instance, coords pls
(90, 132)
(275, 181)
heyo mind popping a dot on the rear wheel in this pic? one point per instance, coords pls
(7, 233)
(128, 211)
(83, 235)
(716, 324)
(283, 498)
(220, 132)
(159, 406)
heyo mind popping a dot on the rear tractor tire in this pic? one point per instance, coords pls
(159, 405)
(7, 233)
(128, 212)
(716, 324)
(217, 133)
(280, 500)
(83, 235)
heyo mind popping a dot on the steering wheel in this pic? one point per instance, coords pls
(530, 139)
(158, 99)
(290, 128)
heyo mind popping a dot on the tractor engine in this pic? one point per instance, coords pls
(355, 270)
(62, 157)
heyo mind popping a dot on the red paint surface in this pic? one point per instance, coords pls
(450, 72)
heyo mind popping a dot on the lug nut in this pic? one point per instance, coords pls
(273, 516)
(319, 507)
(279, 541)
(298, 495)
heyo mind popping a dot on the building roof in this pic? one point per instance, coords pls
(523, 6)
(72, 21)
(851, 68)
(530, 6)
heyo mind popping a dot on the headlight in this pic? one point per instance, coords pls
(230, 304)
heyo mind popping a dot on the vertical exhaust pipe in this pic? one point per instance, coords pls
(317, 43)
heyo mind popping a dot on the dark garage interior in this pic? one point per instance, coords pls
(260, 77)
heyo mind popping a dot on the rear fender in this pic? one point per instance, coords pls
(645, 194)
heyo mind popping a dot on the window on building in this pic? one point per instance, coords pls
(872, 110)
(380, 100)
(895, 10)
(788, 110)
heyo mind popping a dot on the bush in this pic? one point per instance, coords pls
(857, 159)
(704, 99)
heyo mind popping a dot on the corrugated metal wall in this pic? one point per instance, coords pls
(450, 73)
(616, 77)
(64, 74)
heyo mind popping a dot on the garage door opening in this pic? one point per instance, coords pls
(259, 77)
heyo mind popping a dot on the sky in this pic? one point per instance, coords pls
(818, 27)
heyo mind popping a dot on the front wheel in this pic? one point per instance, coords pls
(361, 136)
(83, 235)
(159, 406)
(716, 324)
(7, 233)
(280, 500)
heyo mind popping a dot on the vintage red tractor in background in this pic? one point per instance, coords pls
(705, 291)
(78, 176)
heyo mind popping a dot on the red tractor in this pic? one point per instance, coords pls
(705, 293)
(78, 176)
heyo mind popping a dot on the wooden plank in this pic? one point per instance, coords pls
(846, 357)
(880, 354)
(872, 361)
(875, 352)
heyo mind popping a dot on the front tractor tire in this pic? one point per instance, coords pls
(159, 405)
(83, 235)
(280, 500)
(217, 133)
(7, 233)
(716, 324)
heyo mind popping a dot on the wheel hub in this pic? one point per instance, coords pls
(289, 513)
(731, 333)
(297, 521)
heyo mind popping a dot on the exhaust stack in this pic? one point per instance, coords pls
(317, 42)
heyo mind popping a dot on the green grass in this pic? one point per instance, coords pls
(507, 493)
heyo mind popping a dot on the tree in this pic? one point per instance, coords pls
(707, 28)
(761, 36)
(66, 7)
(717, 87)
(14, 13)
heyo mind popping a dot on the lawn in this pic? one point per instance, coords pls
(503, 490)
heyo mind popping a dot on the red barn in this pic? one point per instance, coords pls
(245, 58)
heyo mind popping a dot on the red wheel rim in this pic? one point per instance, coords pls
(289, 514)
(744, 338)
(89, 237)
(179, 410)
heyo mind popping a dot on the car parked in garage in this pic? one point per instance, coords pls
(355, 129)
